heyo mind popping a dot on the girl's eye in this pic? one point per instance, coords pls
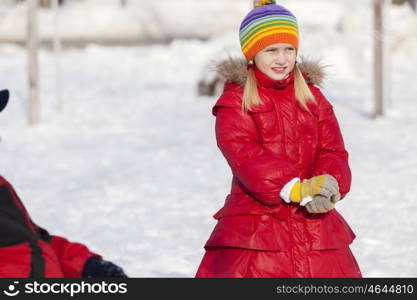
(290, 49)
(270, 50)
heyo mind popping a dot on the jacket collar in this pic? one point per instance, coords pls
(234, 70)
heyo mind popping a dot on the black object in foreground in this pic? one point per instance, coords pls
(4, 98)
(96, 267)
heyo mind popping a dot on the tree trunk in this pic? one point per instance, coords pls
(57, 51)
(32, 45)
(378, 58)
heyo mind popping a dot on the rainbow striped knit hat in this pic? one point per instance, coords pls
(266, 24)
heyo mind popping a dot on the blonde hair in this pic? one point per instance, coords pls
(251, 96)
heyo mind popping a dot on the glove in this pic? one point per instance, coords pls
(325, 185)
(96, 267)
(322, 204)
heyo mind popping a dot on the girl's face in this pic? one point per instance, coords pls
(276, 60)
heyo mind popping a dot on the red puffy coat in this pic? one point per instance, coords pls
(27, 250)
(257, 233)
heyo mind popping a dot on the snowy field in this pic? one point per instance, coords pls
(131, 167)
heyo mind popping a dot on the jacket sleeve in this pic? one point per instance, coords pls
(332, 157)
(261, 173)
(71, 256)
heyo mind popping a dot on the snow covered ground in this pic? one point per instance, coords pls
(131, 168)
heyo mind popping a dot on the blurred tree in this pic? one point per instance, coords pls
(33, 65)
(378, 58)
(401, 2)
(44, 3)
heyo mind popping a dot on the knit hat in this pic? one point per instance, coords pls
(266, 24)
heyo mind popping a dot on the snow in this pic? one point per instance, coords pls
(131, 167)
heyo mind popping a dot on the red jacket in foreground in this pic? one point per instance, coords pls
(265, 148)
(27, 250)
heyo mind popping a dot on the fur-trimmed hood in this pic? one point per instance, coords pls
(235, 70)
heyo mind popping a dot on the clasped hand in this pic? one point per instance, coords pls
(318, 194)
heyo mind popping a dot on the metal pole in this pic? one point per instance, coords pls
(378, 59)
(57, 50)
(32, 45)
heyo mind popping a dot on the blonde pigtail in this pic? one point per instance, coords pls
(250, 92)
(303, 93)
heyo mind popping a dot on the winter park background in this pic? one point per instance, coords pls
(131, 167)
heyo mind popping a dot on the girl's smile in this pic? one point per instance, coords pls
(279, 70)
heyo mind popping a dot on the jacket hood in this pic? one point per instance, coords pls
(235, 70)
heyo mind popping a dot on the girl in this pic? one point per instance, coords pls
(282, 141)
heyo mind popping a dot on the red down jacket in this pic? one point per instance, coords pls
(257, 233)
(27, 250)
